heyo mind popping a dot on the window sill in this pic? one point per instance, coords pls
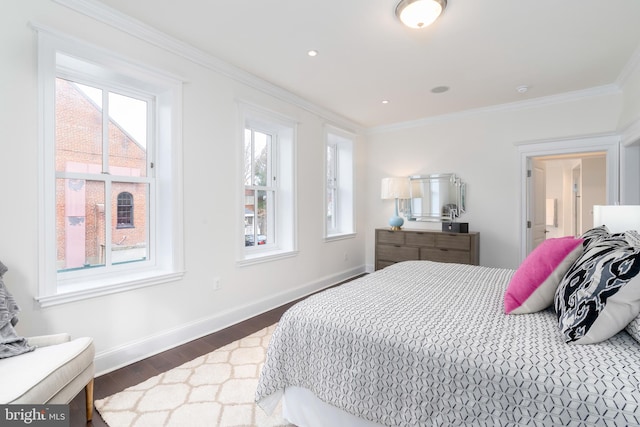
(89, 289)
(257, 258)
(334, 237)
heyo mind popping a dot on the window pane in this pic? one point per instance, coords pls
(78, 127)
(129, 225)
(124, 215)
(331, 165)
(248, 158)
(331, 186)
(249, 218)
(331, 209)
(256, 217)
(261, 153)
(80, 224)
(262, 217)
(127, 136)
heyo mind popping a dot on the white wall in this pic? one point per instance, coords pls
(555, 190)
(629, 127)
(630, 85)
(594, 191)
(128, 324)
(479, 147)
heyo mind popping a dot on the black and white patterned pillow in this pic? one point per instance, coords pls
(600, 294)
(633, 328)
(594, 235)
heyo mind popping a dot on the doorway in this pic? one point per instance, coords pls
(535, 199)
(565, 189)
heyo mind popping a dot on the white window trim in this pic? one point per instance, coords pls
(346, 220)
(166, 265)
(284, 130)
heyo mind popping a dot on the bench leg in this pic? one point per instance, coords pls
(88, 393)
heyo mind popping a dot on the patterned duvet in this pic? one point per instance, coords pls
(422, 343)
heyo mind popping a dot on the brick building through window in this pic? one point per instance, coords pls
(83, 206)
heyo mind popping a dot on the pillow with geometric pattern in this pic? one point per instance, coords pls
(633, 328)
(600, 294)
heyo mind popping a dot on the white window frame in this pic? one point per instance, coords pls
(342, 142)
(271, 188)
(60, 55)
(284, 219)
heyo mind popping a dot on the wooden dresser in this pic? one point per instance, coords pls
(406, 245)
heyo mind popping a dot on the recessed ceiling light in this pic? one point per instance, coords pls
(312, 52)
(440, 89)
(522, 89)
(385, 101)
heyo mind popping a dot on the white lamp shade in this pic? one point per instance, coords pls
(394, 188)
(416, 189)
(618, 219)
(419, 13)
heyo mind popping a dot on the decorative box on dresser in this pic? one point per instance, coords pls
(407, 245)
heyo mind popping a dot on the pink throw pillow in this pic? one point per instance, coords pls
(533, 285)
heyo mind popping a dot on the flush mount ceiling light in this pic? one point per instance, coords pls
(419, 13)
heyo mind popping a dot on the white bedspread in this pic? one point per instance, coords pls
(422, 343)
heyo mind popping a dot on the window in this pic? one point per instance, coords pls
(260, 188)
(125, 210)
(268, 182)
(339, 194)
(104, 152)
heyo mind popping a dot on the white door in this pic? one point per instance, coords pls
(539, 203)
(576, 195)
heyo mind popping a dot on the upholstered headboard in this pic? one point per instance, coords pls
(617, 218)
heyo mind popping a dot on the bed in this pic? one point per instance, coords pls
(422, 343)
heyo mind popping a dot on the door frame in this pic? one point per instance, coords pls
(610, 144)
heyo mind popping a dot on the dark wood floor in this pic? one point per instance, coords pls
(135, 373)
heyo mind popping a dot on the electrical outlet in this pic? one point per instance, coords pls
(216, 283)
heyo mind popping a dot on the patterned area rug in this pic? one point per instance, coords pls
(214, 390)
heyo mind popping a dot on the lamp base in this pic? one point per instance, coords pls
(395, 222)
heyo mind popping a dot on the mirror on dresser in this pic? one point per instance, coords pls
(435, 197)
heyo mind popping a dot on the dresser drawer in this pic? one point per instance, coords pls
(408, 245)
(445, 255)
(420, 239)
(396, 253)
(453, 241)
(390, 237)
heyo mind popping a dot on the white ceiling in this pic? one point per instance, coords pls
(481, 49)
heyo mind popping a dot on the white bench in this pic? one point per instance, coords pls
(55, 372)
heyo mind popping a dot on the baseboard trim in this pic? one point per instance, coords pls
(116, 358)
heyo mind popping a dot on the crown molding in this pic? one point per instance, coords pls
(632, 66)
(631, 134)
(610, 89)
(127, 24)
(136, 28)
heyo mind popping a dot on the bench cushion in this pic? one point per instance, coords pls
(38, 376)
